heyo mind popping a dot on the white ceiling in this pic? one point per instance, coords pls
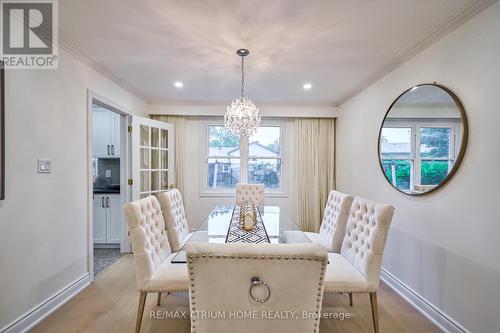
(337, 45)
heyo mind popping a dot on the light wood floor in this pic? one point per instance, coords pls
(109, 305)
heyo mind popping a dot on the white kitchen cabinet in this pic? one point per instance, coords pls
(115, 134)
(106, 127)
(101, 126)
(107, 219)
(99, 218)
(114, 230)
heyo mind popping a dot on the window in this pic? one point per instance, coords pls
(230, 160)
(435, 154)
(397, 155)
(418, 153)
(223, 167)
(264, 159)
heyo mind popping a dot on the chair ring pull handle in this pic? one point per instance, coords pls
(255, 282)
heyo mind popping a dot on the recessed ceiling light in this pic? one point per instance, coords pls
(178, 84)
(307, 86)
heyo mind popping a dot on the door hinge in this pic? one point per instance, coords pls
(130, 128)
(131, 181)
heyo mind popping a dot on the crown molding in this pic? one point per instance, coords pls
(91, 62)
(266, 110)
(225, 103)
(461, 16)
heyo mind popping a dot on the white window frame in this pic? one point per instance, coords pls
(415, 125)
(413, 152)
(282, 191)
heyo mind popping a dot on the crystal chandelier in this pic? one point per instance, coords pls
(242, 117)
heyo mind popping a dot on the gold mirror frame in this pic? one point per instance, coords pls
(463, 143)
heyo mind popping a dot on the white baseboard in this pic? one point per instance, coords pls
(38, 313)
(441, 319)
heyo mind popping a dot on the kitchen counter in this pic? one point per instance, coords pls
(106, 191)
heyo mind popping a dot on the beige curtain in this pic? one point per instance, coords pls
(179, 123)
(313, 174)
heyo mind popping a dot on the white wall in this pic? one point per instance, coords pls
(43, 221)
(445, 246)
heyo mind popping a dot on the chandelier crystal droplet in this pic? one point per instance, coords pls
(242, 117)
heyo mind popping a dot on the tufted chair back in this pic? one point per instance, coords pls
(148, 237)
(294, 274)
(254, 192)
(335, 219)
(366, 234)
(175, 217)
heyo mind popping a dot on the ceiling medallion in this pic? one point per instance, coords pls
(242, 117)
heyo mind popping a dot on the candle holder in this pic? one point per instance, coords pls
(248, 215)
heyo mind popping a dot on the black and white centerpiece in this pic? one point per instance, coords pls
(254, 232)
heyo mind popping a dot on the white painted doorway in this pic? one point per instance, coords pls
(108, 159)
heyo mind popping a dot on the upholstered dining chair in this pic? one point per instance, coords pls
(254, 192)
(357, 268)
(238, 278)
(175, 218)
(332, 229)
(155, 273)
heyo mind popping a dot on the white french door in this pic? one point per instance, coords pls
(152, 163)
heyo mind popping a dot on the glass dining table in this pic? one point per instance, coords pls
(279, 226)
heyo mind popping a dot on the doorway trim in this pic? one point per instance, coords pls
(125, 164)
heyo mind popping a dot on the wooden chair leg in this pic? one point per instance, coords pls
(140, 311)
(373, 302)
(350, 299)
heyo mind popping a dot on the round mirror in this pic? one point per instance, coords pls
(422, 139)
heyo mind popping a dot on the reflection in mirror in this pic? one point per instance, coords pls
(422, 139)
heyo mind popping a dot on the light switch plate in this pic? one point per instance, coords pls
(108, 173)
(44, 165)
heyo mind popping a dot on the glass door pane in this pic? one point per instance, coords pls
(144, 181)
(144, 158)
(144, 136)
(155, 159)
(155, 137)
(164, 138)
(164, 159)
(155, 181)
(164, 180)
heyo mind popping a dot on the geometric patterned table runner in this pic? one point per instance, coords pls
(237, 234)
